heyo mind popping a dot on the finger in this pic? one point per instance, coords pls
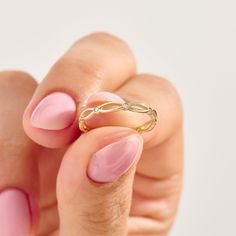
(94, 184)
(96, 62)
(161, 165)
(165, 139)
(18, 167)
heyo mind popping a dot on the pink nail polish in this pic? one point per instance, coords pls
(54, 112)
(105, 96)
(112, 161)
(15, 216)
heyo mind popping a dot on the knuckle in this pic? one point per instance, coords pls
(117, 45)
(110, 215)
(17, 79)
(164, 84)
(104, 38)
(108, 44)
(167, 91)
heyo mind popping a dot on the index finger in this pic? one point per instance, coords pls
(96, 62)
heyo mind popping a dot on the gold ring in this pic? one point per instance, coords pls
(114, 107)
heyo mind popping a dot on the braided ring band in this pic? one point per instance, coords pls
(114, 107)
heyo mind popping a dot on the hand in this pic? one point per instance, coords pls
(108, 181)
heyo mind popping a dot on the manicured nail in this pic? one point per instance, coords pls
(104, 96)
(15, 216)
(113, 160)
(54, 112)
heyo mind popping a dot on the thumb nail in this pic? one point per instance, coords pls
(113, 160)
(15, 216)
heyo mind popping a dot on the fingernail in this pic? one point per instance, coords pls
(54, 112)
(15, 216)
(113, 160)
(104, 96)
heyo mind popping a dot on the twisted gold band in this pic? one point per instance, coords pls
(114, 107)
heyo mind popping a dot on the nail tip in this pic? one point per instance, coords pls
(104, 96)
(112, 161)
(54, 112)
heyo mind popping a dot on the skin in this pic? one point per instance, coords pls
(144, 200)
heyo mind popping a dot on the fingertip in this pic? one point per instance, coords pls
(56, 111)
(115, 159)
(75, 166)
(52, 138)
(51, 122)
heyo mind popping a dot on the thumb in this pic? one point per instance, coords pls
(94, 185)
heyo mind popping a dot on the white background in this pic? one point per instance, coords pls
(192, 43)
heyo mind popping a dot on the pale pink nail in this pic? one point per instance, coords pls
(112, 161)
(15, 218)
(104, 96)
(54, 112)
